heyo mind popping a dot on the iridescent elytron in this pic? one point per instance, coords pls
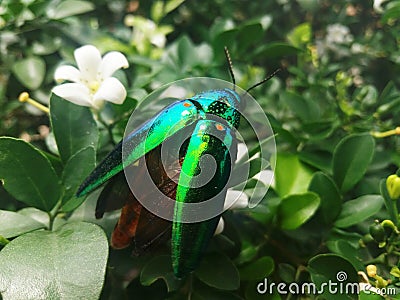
(207, 116)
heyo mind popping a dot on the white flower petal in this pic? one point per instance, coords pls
(69, 73)
(111, 62)
(220, 226)
(235, 199)
(158, 40)
(110, 90)
(266, 177)
(88, 59)
(242, 151)
(74, 92)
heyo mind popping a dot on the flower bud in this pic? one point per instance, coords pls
(393, 186)
(377, 232)
(371, 270)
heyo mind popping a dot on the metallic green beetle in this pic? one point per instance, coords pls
(211, 117)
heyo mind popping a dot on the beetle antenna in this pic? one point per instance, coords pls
(264, 80)
(228, 58)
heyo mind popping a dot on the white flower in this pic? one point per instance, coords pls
(146, 32)
(357, 48)
(233, 200)
(338, 34)
(92, 83)
(378, 5)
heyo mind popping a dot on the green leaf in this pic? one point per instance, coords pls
(369, 296)
(69, 263)
(331, 200)
(157, 11)
(300, 35)
(275, 50)
(295, 210)
(73, 126)
(351, 158)
(77, 168)
(305, 109)
(319, 159)
(291, 176)
(3, 242)
(218, 271)
(186, 52)
(249, 35)
(160, 267)
(334, 269)
(202, 291)
(219, 27)
(345, 249)
(258, 269)
(69, 8)
(171, 5)
(30, 71)
(27, 174)
(14, 224)
(287, 272)
(357, 210)
(392, 12)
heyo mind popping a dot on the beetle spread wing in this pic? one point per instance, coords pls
(137, 225)
(141, 141)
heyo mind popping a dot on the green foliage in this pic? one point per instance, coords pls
(27, 174)
(55, 268)
(334, 108)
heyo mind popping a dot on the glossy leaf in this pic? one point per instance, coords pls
(345, 249)
(218, 271)
(14, 224)
(73, 126)
(351, 159)
(70, 8)
(160, 267)
(357, 210)
(27, 174)
(305, 109)
(30, 71)
(258, 269)
(295, 210)
(369, 296)
(204, 292)
(331, 200)
(69, 263)
(318, 159)
(75, 171)
(291, 176)
(325, 268)
(391, 13)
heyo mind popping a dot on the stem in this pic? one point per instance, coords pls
(395, 211)
(108, 127)
(190, 287)
(53, 214)
(377, 260)
(384, 134)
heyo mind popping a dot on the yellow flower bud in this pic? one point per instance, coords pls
(381, 282)
(371, 270)
(390, 224)
(393, 186)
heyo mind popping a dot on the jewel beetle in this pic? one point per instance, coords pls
(206, 122)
